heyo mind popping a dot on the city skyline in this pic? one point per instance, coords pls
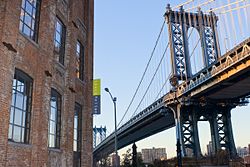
(125, 33)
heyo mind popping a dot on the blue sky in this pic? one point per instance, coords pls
(125, 34)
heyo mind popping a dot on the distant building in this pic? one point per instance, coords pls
(149, 155)
(242, 152)
(210, 148)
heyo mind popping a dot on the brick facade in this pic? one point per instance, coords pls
(38, 60)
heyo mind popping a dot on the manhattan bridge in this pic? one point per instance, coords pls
(199, 70)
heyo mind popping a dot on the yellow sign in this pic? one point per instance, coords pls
(96, 87)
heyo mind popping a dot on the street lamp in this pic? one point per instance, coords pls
(114, 101)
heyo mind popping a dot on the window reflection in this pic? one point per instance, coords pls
(19, 125)
(79, 60)
(59, 39)
(29, 18)
(54, 120)
(77, 138)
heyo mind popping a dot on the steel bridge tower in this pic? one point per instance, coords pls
(102, 134)
(188, 112)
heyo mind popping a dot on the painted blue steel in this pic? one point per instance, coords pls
(178, 24)
(215, 68)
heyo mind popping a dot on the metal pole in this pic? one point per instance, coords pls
(114, 101)
(116, 154)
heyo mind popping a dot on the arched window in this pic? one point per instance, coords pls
(19, 126)
(54, 119)
(79, 60)
(77, 140)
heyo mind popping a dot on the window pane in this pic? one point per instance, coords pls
(78, 48)
(25, 103)
(14, 83)
(10, 132)
(52, 127)
(34, 13)
(13, 97)
(53, 114)
(18, 117)
(53, 101)
(24, 119)
(23, 4)
(58, 38)
(22, 134)
(75, 146)
(58, 27)
(22, 15)
(28, 8)
(27, 20)
(75, 134)
(20, 86)
(17, 134)
(75, 122)
(33, 25)
(26, 30)
(51, 141)
(19, 100)
(11, 115)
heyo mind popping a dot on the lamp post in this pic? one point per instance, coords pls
(114, 101)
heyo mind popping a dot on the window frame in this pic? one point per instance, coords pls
(80, 60)
(61, 49)
(33, 17)
(25, 124)
(78, 129)
(56, 122)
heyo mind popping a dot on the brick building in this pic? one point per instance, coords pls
(46, 67)
(150, 155)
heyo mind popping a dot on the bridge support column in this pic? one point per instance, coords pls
(187, 137)
(179, 144)
(214, 132)
(189, 132)
(221, 131)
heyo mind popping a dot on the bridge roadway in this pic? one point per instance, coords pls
(228, 77)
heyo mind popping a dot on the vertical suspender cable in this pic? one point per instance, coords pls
(144, 73)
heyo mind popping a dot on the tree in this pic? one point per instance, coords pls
(105, 162)
(139, 160)
(127, 159)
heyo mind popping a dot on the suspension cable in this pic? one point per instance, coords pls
(144, 73)
(151, 81)
(202, 4)
(240, 7)
(185, 3)
(224, 6)
(166, 81)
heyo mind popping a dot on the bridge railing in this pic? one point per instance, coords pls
(143, 114)
(226, 61)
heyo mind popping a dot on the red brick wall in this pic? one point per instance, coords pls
(34, 59)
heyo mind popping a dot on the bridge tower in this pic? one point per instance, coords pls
(102, 133)
(178, 24)
(189, 111)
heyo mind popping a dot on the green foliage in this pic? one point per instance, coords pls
(127, 159)
(105, 162)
